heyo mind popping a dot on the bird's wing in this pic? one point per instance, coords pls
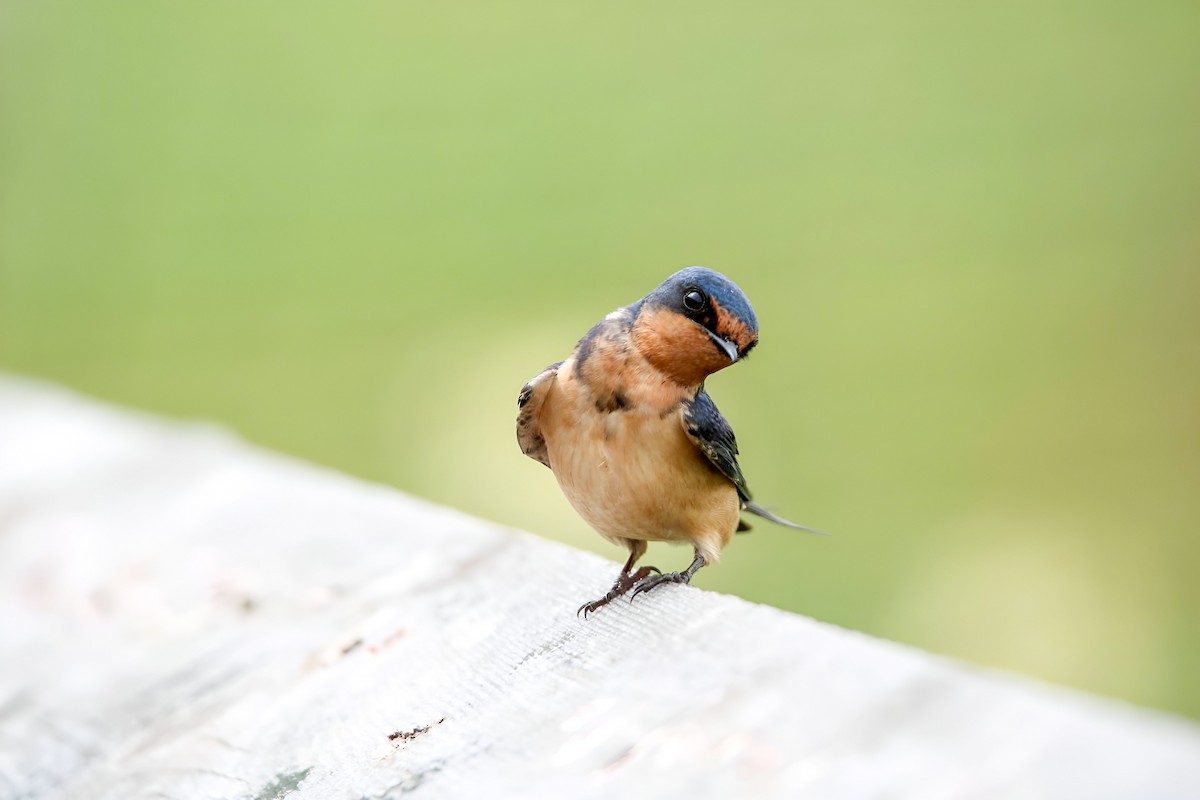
(709, 431)
(529, 426)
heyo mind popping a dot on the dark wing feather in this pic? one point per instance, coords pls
(709, 431)
(529, 403)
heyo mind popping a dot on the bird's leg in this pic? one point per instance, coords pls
(648, 583)
(624, 582)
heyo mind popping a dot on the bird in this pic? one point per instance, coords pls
(635, 442)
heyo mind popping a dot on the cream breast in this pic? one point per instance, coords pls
(630, 470)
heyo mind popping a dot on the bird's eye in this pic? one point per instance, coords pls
(693, 301)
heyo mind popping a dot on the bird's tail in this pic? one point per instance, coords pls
(755, 508)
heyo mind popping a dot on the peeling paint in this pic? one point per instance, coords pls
(283, 785)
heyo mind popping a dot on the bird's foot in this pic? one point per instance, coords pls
(625, 581)
(648, 583)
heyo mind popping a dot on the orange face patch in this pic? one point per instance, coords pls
(677, 347)
(734, 329)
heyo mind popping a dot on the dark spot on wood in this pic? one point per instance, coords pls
(248, 605)
(283, 785)
(408, 736)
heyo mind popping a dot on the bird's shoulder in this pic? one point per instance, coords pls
(616, 375)
(714, 437)
(529, 405)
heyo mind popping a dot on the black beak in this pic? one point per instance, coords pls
(725, 345)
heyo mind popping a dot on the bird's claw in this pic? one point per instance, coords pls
(588, 608)
(646, 584)
(623, 584)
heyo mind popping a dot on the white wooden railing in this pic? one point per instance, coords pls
(185, 616)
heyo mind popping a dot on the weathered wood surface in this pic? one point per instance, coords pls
(184, 616)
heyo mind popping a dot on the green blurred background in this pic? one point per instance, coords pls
(971, 232)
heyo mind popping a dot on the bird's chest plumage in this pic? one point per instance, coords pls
(628, 466)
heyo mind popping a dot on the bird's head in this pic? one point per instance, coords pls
(696, 322)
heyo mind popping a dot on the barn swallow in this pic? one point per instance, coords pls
(637, 445)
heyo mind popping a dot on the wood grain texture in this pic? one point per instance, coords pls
(185, 616)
